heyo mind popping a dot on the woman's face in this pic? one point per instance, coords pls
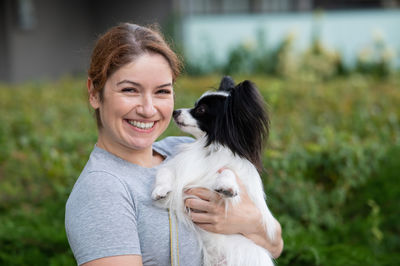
(137, 106)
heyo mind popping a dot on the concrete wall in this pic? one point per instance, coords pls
(57, 43)
(61, 40)
(3, 44)
(106, 14)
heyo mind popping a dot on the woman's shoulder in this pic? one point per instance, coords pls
(169, 145)
(100, 205)
(102, 175)
(96, 187)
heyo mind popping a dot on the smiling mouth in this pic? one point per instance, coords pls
(141, 125)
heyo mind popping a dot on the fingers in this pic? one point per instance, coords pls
(208, 210)
(204, 194)
(207, 227)
(208, 222)
(198, 205)
(202, 218)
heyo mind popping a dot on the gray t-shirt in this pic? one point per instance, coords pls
(110, 212)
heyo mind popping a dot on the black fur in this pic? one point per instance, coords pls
(226, 84)
(239, 121)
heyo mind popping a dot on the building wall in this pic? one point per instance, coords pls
(3, 44)
(62, 35)
(56, 44)
(106, 14)
(349, 32)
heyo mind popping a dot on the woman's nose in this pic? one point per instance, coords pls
(146, 107)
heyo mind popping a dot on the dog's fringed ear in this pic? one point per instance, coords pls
(226, 84)
(247, 113)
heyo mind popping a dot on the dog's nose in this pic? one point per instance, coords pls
(176, 113)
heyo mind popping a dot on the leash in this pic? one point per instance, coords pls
(173, 236)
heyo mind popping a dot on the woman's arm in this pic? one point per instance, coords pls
(124, 260)
(100, 222)
(244, 219)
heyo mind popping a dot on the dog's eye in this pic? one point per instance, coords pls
(200, 110)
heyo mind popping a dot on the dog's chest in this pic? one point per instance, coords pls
(200, 166)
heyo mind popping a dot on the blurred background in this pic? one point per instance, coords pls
(329, 72)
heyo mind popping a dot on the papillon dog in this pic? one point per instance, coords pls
(230, 126)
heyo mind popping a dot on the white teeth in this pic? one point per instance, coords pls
(141, 125)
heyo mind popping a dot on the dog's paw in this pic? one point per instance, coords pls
(226, 184)
(160, 192)
(227, 190)
(227, 193)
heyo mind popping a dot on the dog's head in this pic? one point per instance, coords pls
(233, 116)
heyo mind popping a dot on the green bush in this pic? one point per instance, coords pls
(331, 177)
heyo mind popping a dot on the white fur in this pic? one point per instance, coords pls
(197, 166)
(208, 93)
(188, 124)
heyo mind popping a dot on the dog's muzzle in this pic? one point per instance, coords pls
(176, 113)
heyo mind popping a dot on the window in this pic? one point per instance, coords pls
(26, 15)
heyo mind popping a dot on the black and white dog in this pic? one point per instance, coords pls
(230, 126)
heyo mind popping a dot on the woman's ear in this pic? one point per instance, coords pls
(94, 98)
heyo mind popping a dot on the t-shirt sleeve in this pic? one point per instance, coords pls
(171, 145)
(100, 218)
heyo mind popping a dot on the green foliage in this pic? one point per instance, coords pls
(376, 59)
(331, 177)
(249, 58)
(46, 134)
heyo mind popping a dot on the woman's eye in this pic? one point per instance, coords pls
(164, 91)
(129, 90)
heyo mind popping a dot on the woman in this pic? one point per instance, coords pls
(110, 218)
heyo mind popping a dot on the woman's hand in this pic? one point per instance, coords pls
(209, 213)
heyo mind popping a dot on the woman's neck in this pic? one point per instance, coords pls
(144, 157)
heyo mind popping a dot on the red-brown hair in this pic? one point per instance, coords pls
(121, 45)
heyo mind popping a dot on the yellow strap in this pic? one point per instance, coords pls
(173, 236)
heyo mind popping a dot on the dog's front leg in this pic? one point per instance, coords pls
(226, 184)
(163, 184)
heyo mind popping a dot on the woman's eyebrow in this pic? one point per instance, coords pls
(130, 82)
(169, 84)
(165, 85)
